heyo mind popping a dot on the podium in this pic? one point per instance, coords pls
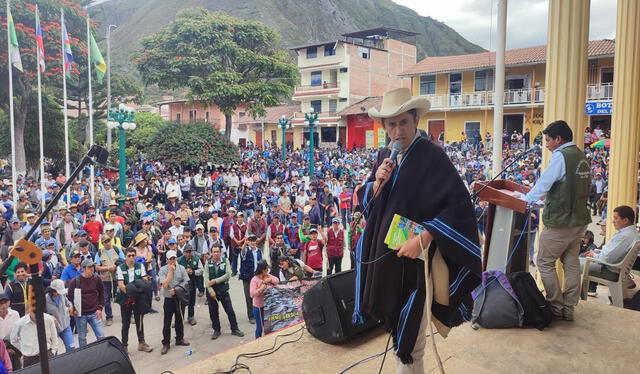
(505, 220)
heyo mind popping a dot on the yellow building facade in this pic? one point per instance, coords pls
(460, 89)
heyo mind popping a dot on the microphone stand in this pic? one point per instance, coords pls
(476, 194)
(35, 256)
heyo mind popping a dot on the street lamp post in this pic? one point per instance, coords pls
(311, 119)
(284, 124)
(109, 81)
(122, 119)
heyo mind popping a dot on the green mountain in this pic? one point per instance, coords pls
(297, 21)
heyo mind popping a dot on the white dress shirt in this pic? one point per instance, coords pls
(25, 335)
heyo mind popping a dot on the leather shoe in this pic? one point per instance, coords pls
(192, 321)
(237, 332)
(182, 342)
(144, 347)
(216, 335)
(164, 350)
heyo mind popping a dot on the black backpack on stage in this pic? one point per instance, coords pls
(537, 311)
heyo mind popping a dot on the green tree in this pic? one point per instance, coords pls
(191, 144)
(221, 60)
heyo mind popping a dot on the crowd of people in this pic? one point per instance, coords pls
(179, 234)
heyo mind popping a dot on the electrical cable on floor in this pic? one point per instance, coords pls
(237, 366)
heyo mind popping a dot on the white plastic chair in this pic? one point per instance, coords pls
(616, 288)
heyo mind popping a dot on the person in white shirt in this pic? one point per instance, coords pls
(24, 337)
(177, 228)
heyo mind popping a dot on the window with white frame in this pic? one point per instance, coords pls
(455, 83)
(364, 52)
(427, 85)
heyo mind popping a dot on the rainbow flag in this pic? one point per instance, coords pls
(39, 43)
(68, 55)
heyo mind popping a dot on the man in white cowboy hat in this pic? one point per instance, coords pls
(422, 185)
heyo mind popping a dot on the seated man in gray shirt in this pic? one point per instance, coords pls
(616, 249)
(172, 276)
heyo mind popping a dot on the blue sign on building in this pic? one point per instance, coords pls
(598, 107)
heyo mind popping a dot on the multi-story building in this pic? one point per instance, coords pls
(338, 73)
(460, 89)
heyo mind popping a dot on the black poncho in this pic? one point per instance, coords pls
(425, 188)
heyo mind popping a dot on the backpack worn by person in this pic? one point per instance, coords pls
(537, 311)
(496, 304)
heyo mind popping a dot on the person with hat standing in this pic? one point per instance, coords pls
(86, 293)
(274, 228)
(312, 251)
(144, 253)
(335, 246)
(237, 234)
(191, 262)
(258, 227)
(217, 272)
(250, 255)
(94, 228)
(60, 308)
(214, 220)
(106, 259)
(65, 229)
(173, 276)
(74, 268)
(128, 272)
(291, 235)
(422, 185)
(200, 242)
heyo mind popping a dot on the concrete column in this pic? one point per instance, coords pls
(566, 71)
(625, 129)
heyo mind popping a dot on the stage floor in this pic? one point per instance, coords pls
(602, 339)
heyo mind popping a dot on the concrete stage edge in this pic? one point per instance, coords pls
(602, 339)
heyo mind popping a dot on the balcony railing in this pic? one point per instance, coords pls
(600, 91)
(486, 98)
(298, 115)
(318, 87)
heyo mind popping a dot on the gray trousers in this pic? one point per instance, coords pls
(560, 243)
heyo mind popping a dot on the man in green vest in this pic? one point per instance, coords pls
(565, 183)
(127, 272)
(192, 263)
(217, 272)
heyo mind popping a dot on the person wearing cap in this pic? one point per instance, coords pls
(74, 268)
(312, 251)
(291, 235)
(59, 306)
(278, 249)
(303, 231)
(335, 246)
(215, 220)
(216, 240)
(292, 269)
(193, 265)
(110, 231)
(16, 290)
(200, 241)
(106, 259)
(45, 236)
(237, 233)
(171, 276)
(31, 220)
(258, 227)
(8, 320)
(250, 255)
(65, 229)
(94, 228)
(217, 273)
(441, 203)
(128, 272)
(15, 233)
(275, 227)
(86, 291)
(247, 201)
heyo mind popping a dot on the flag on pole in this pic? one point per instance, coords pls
(39, 43)
(98, 61)
(14, 49)
(68, 56)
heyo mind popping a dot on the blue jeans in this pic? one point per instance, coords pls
(108, 295)
(67, 338)
(96, 326)
(532, 242)
(258, 315)
(154, 281)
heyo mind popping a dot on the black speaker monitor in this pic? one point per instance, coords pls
(328, 306)
(104, 356)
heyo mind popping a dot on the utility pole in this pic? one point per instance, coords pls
(109, 82)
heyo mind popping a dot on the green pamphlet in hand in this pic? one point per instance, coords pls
(401, 230)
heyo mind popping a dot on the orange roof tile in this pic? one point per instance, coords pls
(362, 106)
(519, 56)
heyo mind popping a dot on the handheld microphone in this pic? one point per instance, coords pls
(396, 148)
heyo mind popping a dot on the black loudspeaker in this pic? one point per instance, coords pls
(328, 306)
(104, 356)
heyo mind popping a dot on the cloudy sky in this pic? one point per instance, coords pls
(475, 20)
